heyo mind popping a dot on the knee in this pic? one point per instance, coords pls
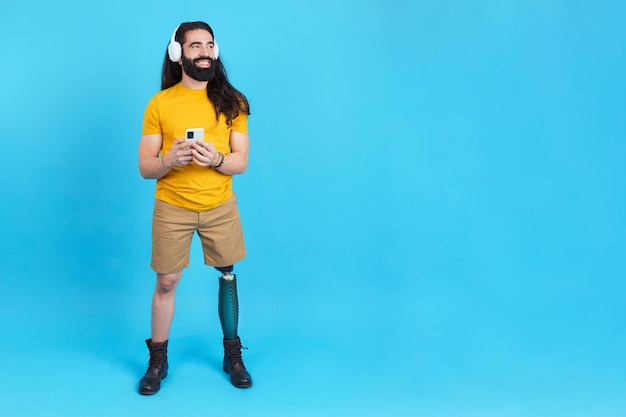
(167, 283)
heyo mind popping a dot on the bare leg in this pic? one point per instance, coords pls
(163, 305)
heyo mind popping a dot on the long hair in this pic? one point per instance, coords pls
(226, 99)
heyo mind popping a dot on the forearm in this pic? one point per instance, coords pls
(154, 167)
(234, 163)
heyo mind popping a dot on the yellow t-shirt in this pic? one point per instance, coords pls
(169, 113)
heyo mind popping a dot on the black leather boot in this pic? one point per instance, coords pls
(233, 364)
(157, 368)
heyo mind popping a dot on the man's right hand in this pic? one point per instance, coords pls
(180, 154)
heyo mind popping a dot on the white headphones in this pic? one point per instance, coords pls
(175, 49)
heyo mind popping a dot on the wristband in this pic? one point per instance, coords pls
(221, 162)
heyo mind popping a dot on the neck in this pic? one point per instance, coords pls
(193, 84)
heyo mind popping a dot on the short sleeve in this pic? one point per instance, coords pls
(151, 119)
(240, 123)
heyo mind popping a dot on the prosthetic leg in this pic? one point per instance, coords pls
(228, 307)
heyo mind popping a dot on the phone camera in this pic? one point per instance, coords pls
(190, 135)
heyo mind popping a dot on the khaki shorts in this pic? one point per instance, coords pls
(173, 227)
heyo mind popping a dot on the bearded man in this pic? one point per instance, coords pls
(194, 139)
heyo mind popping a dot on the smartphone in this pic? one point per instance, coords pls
(196, 134)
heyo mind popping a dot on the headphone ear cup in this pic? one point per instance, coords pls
(216, 50)
(174, 50)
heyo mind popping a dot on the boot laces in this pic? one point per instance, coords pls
(157, 358)
(234, 353)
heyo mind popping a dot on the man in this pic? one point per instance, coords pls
(194, 187)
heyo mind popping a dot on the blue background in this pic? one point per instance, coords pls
(434, 210)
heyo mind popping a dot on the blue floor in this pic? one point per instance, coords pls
(321, 343)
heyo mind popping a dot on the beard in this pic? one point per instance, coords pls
(198, 74)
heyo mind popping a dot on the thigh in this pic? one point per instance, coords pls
(222, 234)
(172, 231)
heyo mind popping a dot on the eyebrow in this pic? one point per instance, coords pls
(200, 43)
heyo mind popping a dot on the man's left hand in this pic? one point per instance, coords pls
(205, 154)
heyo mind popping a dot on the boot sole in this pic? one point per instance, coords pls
(248, 385)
